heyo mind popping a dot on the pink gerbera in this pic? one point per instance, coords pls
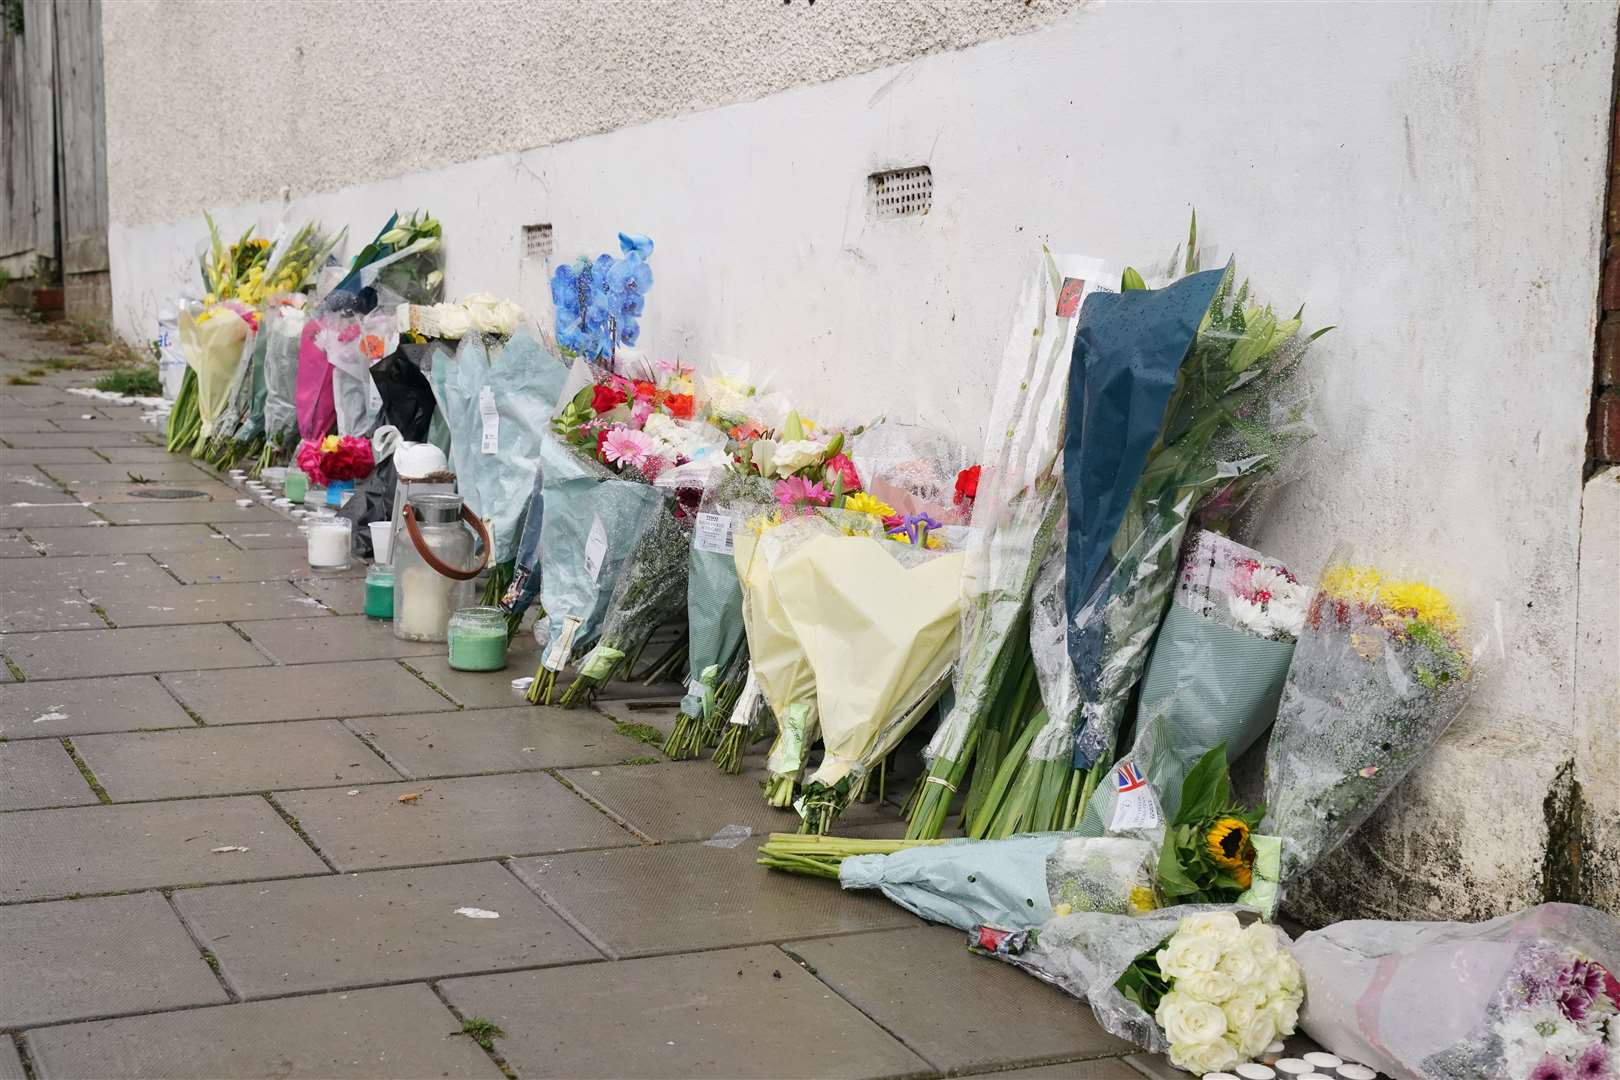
(796, 494)
(626, 447)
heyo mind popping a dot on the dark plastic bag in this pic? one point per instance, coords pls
(373, 500)
(406, 395)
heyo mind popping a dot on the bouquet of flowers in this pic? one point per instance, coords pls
(1015, 511)
(1217, 670)
(217, 342)
(1380, 671)
(1528, 996)
(351, 344)
(405, 261)
(335, 459)
(283, 327)
(1193, 982)
(599, 302)
(1177, 394)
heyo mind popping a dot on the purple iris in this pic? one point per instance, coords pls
(914, 527)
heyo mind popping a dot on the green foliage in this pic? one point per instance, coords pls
(483, 1032)
(1142, 982)
(139, 382)
(1187, 873)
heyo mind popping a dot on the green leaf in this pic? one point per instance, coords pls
(1192, 243)
(1320, 332)
(1207, 788)
(1173, 880)
(1131, 281)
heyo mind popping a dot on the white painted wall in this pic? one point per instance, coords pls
(1427, 177)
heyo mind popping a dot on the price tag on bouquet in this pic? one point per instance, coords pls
(1135, 805)
(563, 646)
(492, 421)
(712, 533)
(596, 546)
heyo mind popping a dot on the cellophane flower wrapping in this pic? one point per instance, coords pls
(1016, 510)
(911, 468)
(714, 598)
(1496, 1000)
(1179, 394)
(284, 326)
(589, 530)
(520, 381)
(342, 339)
(218, 343)
(650, 590)
(317, 415)
(1216, 673)
(878, 621)
(1383, 666)
(524, 587)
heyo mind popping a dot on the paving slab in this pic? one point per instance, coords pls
(693, 800)
(367, 828)
(95, 849)
(72, 573)
(160, 473)
(41, 492)
(62, 455)
(25, 440)
(733, 1013)
(230, 564)
(79, 653)
(257, 535)
(302, 692)
(1016, 1020)
(125, 539)
(16, 423)
(27, 475)
(496, 740)
(11, 1066)
(185, 512)
(14, 545)
(222, 761)
(51, 516)
(107, 492)
(60, 608)
(227, 602)
(388, 1031)
(100, 422)
(388, 926)
(124, 455)
(76, 959)
(82, 706)
(482, 689)
(39, 772)
(343, 595)
(1099, 1069)
(679, 897)
(332, 637)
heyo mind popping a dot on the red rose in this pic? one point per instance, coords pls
(681, 406)
(967, 485)
(604, 398)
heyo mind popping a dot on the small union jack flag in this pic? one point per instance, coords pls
(1128, 778)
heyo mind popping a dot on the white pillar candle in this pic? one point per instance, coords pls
(329, 544)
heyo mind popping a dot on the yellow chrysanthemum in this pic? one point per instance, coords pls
(329, 444)
(1359, 583)
(1142, 899)
(1228, 846)
(765, 521)
(862, 503)
(1416, 600)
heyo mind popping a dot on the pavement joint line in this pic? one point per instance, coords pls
(578, 927)
(631, 829)
(11, 666)
(21, 1043)
(810, 969)
(431, 685)
(208, 956)
(461, 1018)
(296, 827)
(85, 771)
(375, 749)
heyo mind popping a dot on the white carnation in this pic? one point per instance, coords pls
(1187, 1021)
(1209, 986)
(1250, 615)
(1186, 954)
(1217, 1055)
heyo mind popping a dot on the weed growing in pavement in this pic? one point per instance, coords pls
(639, 761)
(482, 1032)
(139, 382)
(21, 380)
(640, 732)
(84, 771)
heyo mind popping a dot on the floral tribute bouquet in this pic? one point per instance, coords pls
(1382, 668)
(599, 302)
(217, 341)
(1216, 674)
(405, 262)
(1178, 395)
(335, 459)
(283, 327)
(1528, 996)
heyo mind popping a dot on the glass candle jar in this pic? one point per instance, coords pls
(296, 483)
(380, 592)
(478, 639)
(433, 566)
(329, 542)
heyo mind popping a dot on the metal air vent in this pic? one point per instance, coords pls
(900, 192)
(538, 242)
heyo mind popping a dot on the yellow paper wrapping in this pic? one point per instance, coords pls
(214, 349)
(877, 633)
(779, 663)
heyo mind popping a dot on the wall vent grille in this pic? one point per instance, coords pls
(901, 193)
(538, 242)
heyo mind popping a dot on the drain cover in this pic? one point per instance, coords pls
(167, 493)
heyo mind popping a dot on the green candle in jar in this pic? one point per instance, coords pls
(478, 639)
(380, 592)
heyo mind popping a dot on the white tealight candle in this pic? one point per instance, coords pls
(1323, 1060)
(1352, 1070)
(1219, 1076)
(1253, 1070)
(1295, 1066)
(1275, 1048)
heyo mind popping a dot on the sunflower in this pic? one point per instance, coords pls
(1228, 846)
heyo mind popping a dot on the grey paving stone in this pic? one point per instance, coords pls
(81, 706)
(105, 421)
(229, 564)
(39, 772)
(14, 545)
(95, 849)
(54, 515)
(79, 653)
(469, 818)
(221, 761)
(387, 926)
(692, 800)
(46, 609)
(734, 1013)
(678, 897)
(1099, 1069)
(255, 535)
(1016, 1020)
(332, 637)
(125, 539)
(102, 493)
(226, 602)
(161, 473)
(496, 740)
(28, 493)
(388, 1031)
(344, 595)
(482, 689)
(123, 455)
(184, 512)
(29, 475)
(65, 455)
(76, 959)
(302, 692)
(18, 422)
(11, 1066)
(33, 440)
(75, 573)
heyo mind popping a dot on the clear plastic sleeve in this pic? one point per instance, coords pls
(218, 343)
(1531, 994)
(714, 599)
(912, 468)
(284, 325)
(650, 590)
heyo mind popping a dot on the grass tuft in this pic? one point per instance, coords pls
(483, 1032)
